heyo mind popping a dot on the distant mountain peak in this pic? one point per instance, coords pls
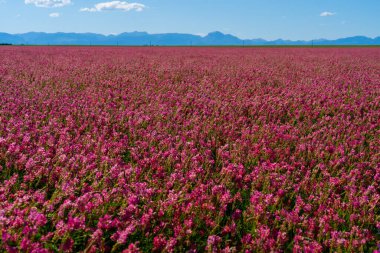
(218, 34)
(215, 33)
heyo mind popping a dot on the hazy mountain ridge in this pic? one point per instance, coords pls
(165, 39)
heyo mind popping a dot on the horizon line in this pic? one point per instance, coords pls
(202, 36)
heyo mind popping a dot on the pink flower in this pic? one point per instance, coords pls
(159, 242)
(123, 235)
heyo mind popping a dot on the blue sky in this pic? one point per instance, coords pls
(268, 19)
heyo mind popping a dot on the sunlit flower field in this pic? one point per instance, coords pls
(115, 149)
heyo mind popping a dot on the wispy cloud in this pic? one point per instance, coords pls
(115, 5)
(54, 15)
(48, 3)
(327, 14)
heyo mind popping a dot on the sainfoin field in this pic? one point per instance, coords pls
(189, 149)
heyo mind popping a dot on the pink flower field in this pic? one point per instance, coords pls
(122, 149)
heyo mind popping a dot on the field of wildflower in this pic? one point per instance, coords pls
(114, 149)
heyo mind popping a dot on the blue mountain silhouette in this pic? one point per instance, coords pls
(165, 39)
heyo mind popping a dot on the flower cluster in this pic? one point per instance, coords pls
(189, 149)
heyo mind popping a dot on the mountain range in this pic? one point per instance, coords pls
(165, 39)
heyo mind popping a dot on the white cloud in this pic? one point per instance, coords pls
(115, 5)
(327, 14)
(54, 15)
(48, 3)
